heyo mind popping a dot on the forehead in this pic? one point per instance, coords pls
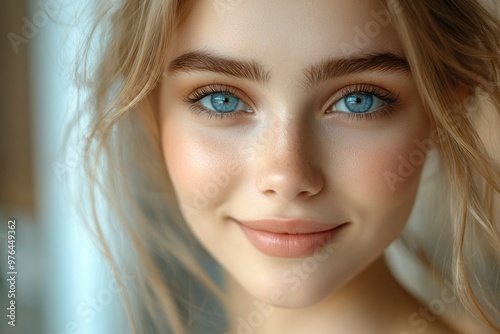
(288, 32)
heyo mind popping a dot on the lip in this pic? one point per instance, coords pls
(288, 238)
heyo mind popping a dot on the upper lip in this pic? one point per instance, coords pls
(288, 226)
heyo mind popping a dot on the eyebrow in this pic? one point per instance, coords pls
(203, 61)
(197, 61)
(332, 68)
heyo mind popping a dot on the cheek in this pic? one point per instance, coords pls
(387, 170)
(381, 171)
(202, 170)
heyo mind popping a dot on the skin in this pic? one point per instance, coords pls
(291, 157)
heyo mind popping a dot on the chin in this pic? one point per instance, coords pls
(303, 283)
(291, 291)
(304, 298)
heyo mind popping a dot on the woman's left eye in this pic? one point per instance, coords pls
(358, 103)
(224, 103)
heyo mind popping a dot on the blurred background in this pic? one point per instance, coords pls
(61, 285)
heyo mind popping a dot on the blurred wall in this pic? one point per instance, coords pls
(16, 174)
(62, 285)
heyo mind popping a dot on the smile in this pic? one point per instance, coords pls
(288, 238)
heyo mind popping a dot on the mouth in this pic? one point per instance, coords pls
(289, 238)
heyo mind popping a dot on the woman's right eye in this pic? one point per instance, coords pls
(222, 102)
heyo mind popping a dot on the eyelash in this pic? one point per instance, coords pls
(205, 91)
(391, 100)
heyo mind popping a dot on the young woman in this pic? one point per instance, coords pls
(260, 157)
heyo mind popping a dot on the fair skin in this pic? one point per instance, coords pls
(290, 149)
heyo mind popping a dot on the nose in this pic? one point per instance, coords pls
(286, 161)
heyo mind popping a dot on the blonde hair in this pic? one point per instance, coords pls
(453, 51)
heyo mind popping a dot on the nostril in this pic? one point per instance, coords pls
(290, 186)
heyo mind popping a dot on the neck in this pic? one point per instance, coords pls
(373, 299)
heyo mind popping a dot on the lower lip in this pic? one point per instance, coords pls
(289, 245)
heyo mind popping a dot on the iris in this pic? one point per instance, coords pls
(224, 103)
(359, 103)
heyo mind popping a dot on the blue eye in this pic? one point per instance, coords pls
(221, 102)
(359, 103)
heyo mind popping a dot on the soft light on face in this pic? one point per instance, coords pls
(292, 110)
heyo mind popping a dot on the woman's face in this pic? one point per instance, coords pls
(293, 135)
